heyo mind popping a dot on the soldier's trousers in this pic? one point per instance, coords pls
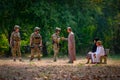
(16, 51)
(56, 50)
(37, 51)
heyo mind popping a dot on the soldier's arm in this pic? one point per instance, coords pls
(11, 38)
(41, 41)
(20, 36)
(31, 39)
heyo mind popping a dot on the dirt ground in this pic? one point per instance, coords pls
(46, 69)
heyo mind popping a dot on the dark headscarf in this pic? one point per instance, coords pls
(94, 46)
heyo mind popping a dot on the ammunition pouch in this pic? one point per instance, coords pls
(35, 45)
(16, 39)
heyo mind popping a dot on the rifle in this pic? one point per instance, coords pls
(40, 47)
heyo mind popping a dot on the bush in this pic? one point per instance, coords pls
(4, 45)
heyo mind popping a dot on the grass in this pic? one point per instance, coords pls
(114, 56)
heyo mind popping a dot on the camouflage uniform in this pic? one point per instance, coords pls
(35, 43)
(56, 40)
(15, 43)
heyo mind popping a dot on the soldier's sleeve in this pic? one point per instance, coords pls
(31, 39)
(11, 38)
(19, 36)
(40, 40)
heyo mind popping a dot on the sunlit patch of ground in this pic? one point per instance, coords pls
(46, 69)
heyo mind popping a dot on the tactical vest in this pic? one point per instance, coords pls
(36, 38)
(55, 39)
(16, 36)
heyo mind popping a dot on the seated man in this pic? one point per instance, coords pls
(89, 57)
(99, 52)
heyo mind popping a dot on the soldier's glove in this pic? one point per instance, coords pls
(40, 47)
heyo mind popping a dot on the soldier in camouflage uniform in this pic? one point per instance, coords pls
(36, 43)
(15, 43)
(55, 42)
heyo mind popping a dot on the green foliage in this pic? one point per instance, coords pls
(88, 19)
(3, 44)
(114, 57)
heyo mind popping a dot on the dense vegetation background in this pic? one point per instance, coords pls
(88, 19)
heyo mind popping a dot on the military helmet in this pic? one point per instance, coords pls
(16, 27)
(36, 29)
(58, 29)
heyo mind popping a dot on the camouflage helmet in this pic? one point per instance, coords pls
(16, 27)
(36, 29)
(58, 29)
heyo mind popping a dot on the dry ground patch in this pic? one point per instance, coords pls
(46, 69)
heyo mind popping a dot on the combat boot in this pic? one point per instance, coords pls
(55, 60)
(39, 59)
(31, 59)
(14, 60)
(70, 62)
(20, 60)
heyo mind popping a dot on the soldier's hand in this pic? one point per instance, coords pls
(62, 38)
(40, 45)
